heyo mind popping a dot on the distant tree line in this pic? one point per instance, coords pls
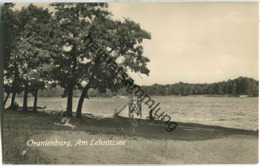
(239, 86)
(236, 87)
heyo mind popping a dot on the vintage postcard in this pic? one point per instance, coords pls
(130, 83)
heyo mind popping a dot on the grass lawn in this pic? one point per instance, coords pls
(149, 138)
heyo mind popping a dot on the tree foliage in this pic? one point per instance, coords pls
(26, 63)
(50, 48)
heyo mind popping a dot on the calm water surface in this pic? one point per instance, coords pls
(222, 111)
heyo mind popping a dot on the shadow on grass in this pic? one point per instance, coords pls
(15, 150)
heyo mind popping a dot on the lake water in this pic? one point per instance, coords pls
(221, 111)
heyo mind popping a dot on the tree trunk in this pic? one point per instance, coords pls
(69, 101)
(25, 108)
(35, 100)
(6, 98)
(81, 100)
(151, 115)
(12, 106)
(14, 87)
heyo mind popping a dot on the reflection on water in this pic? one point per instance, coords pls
(222, 111)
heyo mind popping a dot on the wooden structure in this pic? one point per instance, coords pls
(134, 107)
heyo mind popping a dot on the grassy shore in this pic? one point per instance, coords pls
(151, 143)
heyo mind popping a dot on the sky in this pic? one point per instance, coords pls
(195, 42)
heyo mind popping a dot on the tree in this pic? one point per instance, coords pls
(76, 64)
(38, 82)
(70, 24)
(122, 40)
(33, 50)
(119, 40)
(12, 30)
